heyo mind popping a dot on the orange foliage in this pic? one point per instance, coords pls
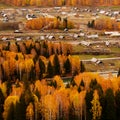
(106, 24)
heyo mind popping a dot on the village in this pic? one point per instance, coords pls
(88, 43)
(59, 59)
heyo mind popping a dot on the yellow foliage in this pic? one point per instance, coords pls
(59, 81)
(49, 107)
(96, 108)
(8, 101)
(29, 111)
(3, 87)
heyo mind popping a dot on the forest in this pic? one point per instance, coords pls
(104, 24)
(26, 93)
(49, 23)
(61, 2)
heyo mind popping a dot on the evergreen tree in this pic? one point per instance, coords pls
(50, 70)
(56, 65)
(92, 23)
(65, 22)
(45, 49)
(37, 93)
(32, 74)
(79, 89)
(52, 51)
(16, 57)
(93, 84)
(118, 73)
(88, 99)
(82, 67)
(109, 111)
(89, 24)
(67, 66)
(11, 113)
(1, 104)
(42, 68)
(82, 83)
(21, 108)
(117, 101)
(72, 82)
(59, 18)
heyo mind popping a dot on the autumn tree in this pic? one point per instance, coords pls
(48, 107)
(9, 109)
(96, 107)
(29, 112)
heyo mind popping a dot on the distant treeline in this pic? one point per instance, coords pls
(60, 2)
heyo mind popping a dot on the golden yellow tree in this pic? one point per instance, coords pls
(96, 107)
(48, 107)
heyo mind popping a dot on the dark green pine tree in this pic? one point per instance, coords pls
(109, 110)
(32, 74)
(7, 47)
(58, 18)
(92, 23)
(45, 49)
(20, 108)
(72, 82)
(16, 57)
(117, 101)
(118, 73)
(67, 66)
(79, 89)
(82, 67)
(93, 84)
(65, 22)
(88, 99)
(1, 104)
(89, 24)
(56, 65)
(52, 51)
(11, 112)
(42, 68)
(3, 73)
(50, 70)
(37, 93)
(82, 83)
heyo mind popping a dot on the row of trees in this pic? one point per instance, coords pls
(36, 48)
(87, 97)
(35, 60)
(104, 24)
(61, 2)
(49, 23)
